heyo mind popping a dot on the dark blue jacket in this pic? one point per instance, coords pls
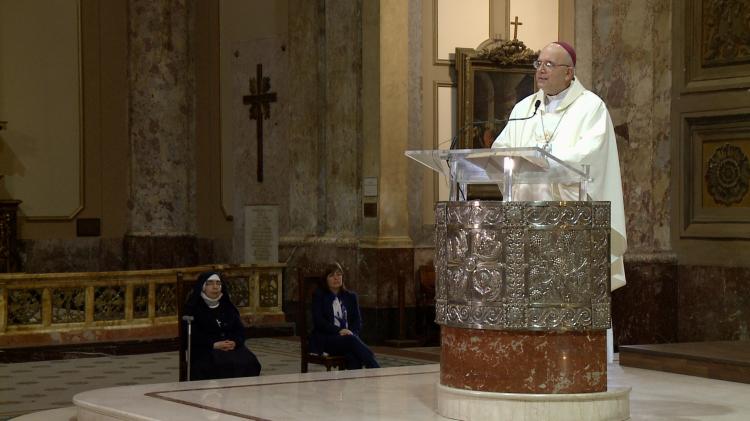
(322, 311)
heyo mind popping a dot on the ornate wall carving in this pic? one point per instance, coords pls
(725, 32)
(715, 193)
(714, 38)
(728, 175)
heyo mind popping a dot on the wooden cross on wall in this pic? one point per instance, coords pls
(260, 100)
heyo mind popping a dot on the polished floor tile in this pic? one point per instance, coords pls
(39, 385)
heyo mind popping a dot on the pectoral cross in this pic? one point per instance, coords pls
(260, 100)
(515, 29)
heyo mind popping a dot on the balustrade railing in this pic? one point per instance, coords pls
(59, 308)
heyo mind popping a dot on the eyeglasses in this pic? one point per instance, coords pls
(548, 65)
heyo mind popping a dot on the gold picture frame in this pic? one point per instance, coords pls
(490, 83)
(491, 79)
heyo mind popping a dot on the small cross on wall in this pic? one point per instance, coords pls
(516, 24)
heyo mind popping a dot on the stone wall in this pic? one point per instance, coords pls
(668, 297)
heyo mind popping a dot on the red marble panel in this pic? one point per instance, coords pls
(523, 362)
(713, 303)
(94, 335)
(645, 310)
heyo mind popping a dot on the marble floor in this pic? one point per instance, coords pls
(399, 393)
(39, 385)
(396, 393)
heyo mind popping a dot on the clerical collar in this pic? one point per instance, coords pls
(552, 101)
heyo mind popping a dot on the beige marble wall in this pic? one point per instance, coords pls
(162, 132)
(325, 135)
(342, 146)
(304, 132)
(631, 71)
(394, 121)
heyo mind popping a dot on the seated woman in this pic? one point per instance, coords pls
(337, 322)
(218, 336)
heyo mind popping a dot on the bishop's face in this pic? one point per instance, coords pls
(555, 71)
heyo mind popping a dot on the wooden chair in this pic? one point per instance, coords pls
(426, 305)
(306, 287)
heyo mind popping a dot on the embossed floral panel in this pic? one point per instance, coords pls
(523, 265)
(239, 290)
(166, 300)
(268, 289)
(68, 305)
(24, 306)
(715, 193)
(109, 303)
(726, 173)
(140, 301)
(716, 38)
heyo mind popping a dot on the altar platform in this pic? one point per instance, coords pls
(397, 393)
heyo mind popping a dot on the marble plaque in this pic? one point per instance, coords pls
(261, 234)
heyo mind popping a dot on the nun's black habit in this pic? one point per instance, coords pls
(211, 325)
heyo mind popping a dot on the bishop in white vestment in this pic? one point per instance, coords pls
(572, 124)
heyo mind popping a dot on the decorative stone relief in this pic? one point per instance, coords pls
(109, 303)
(24, 306)
(728, 175)
(725, 32)
(68, 305)
(166, 301)
(239, 290)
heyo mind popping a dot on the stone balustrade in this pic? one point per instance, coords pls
(86, 307)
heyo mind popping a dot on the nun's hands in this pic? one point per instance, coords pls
(224, 345)
(345, 332)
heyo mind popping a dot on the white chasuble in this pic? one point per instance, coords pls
(578, 131)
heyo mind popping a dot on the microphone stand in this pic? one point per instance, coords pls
(454, 144)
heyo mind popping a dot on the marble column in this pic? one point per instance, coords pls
(394, 123)
(161, 229)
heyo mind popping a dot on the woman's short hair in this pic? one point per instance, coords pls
(332, 268)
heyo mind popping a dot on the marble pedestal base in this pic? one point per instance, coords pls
(460, 404)
(523, 362)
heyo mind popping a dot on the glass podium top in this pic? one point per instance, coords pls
(490, 166)
(505, 167)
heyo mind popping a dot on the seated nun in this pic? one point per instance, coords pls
(218, 348)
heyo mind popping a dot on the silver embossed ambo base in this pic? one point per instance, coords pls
(523, 265)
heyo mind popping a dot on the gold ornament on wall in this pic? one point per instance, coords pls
(512, 52)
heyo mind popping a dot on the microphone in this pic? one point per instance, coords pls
(536, 108)
(511, 135)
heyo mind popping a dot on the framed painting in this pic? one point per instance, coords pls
(489, 85)
(491, 80)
